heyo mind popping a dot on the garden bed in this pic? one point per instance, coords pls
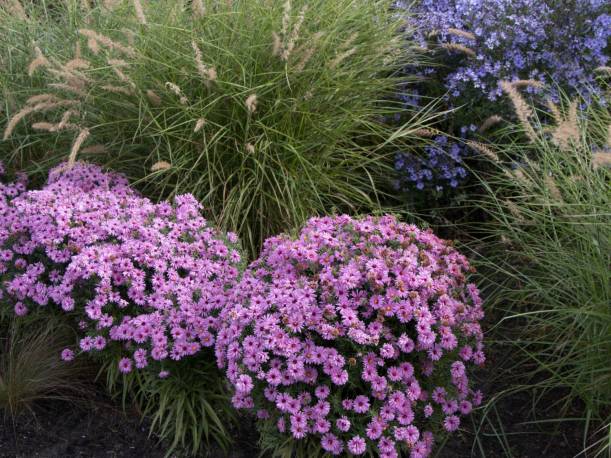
(305, 229)
(101, 429)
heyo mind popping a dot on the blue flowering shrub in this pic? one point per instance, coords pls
(538, 44)
(439, 167)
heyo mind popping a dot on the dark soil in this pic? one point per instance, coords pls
(101, 429)
(520, 425)
(57, 429)
(97, 429)
(514, 434)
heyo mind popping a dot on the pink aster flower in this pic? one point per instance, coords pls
(331, 444)
(343, 424)
(361, 404)
(125, 365)
(322, 391)
(20, 309)
(357, 445)
(67, 354)
(451, 423)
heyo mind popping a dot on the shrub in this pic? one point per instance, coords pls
(547, 251)
(267, 113)
(144, 282)
(354, 337)
(517, 40)
(150, 276)
(478, 44)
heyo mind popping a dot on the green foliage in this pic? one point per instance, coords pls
(268, 114)
(189, 410)
(546, 258)
(30, 366)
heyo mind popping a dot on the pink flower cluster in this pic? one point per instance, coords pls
(148, 278)
(358, 333)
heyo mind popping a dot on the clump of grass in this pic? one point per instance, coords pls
(547, 252)
(31, 370)
(268, 112)
(189, 410)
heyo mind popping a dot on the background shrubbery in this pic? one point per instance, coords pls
(478, 44)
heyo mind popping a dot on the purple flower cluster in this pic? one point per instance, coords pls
(148, 278)
(552, 41)
(358, 333)
(442, 165)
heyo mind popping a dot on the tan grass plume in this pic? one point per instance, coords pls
(523, 111)
(77, 64)
(294, 36)
(286, 17)
(276, 44)
(520, 176)
(603, 69)
(107, 42)
(554, 110)
(601, 160)
(160, 165)
(489, 122)
(341, 57)
(130, 36)
(116, 65)
(110, 4)
(139, 12)
(520, 84)
(199, 124)
(118, 89)
(207, 73)
(93, 45)
(86, 6)
(455, 47)
(73, 88)
(39, 61)
(251, 103)
(426, 132)
(39, 98)
(308, 52)
(484, 149)
(153, 97)
(553, 188)
(514, 210)
(94, 149)
(197, 6)
(15, 8)
(29, 109)
(65, 120)
(46, 126)
(175, 89)
(567, 131)
(461, 33)
(76, 146)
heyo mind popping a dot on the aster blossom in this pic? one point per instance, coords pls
(479, 44)
(343, 334)
(147, 278)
